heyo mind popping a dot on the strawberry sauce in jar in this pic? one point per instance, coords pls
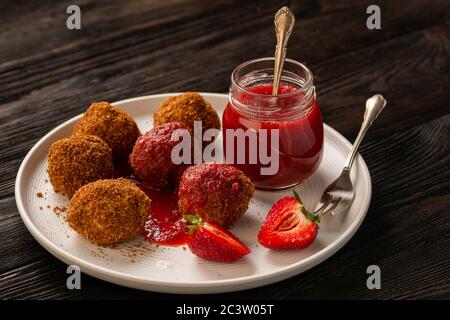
(281, 138)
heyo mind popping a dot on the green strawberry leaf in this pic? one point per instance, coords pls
(194, 221)
(308, 214)
(311, 216)
(191, 229)
(296, 196)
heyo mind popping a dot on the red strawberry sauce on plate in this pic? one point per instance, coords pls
(164, 225)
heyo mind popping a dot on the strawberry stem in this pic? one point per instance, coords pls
(296, 196)
(308, 214)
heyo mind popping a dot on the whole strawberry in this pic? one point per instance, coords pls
(288, 225)
(210, 242)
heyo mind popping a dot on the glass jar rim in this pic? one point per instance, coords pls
(308, 79)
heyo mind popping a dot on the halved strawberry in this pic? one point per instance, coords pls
(288, 225)
(210, 242)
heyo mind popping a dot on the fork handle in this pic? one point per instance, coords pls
(374, 106)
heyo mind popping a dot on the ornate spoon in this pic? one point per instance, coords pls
(284, 23)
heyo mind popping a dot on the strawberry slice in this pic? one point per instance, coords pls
(288, 225)
(210, 242)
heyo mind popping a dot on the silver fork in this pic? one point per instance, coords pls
(339, 195)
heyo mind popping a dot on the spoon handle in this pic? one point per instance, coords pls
(374, 106)
(284, 24)
(280, 56)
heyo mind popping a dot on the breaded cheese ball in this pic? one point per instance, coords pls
(108, 211)
(219, 193)
(187, 108)
(76, 161)
(113, 125)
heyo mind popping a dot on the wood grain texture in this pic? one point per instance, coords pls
(131, 48)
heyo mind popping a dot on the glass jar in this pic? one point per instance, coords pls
(276, 140)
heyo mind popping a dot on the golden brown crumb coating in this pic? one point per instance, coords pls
(108, 211)
(113, 125)
(187, 108)
(76, 161)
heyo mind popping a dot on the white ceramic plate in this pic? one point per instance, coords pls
(139, 264)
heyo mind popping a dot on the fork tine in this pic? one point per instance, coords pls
(333, 206)
(326, 203)
(341, 208)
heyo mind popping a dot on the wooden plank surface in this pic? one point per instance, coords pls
(132, 48)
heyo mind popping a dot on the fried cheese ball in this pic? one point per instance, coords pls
(113, 125)
(187, 108)
(108, 211)
(219, 193)
(76, 161)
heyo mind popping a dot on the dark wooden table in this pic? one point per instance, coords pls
(125, 49)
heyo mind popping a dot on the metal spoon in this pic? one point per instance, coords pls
(339, 195)
(284, 24)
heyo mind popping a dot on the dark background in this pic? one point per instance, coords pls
(49, 74)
